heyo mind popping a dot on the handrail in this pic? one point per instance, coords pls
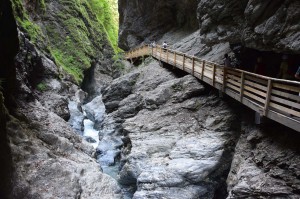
(276, 99)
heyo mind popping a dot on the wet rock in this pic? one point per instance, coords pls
(50, 155)
(76, 117)
(95, 110)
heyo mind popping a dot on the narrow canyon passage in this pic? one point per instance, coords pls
(79, 121)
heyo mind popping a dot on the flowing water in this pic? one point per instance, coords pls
(104, 139)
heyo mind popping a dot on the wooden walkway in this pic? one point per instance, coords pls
(276, 99)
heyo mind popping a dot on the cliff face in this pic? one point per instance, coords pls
(176, 145)
(41, 155)
(141, 20)
(266, 158)
(263, 25)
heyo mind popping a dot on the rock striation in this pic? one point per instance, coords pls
(265, 164)
(42, 156)
(178, 140)
(262, 25)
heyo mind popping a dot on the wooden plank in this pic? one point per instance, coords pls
(233, 72)
(233, 87)
(257, 80)
(257, 86)
(233, 82)
(175, 58)
(224, 79)
(283, 119)
(295, 97)
(214, 75)
(242, 86)
(268, 97)
(167, 55)
(237, 78)
(254, 106)
(202, 73)
(183, 62)
(160, 53)
(262, 94)
(193, 66)
(287, 87)
(284, 109)
(254, 97)
(285, 102)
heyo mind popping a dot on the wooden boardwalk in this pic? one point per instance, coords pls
(276, 99)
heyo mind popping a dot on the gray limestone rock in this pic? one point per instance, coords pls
(174, 139)
(51, 161)
(262, 25)
(265, 165)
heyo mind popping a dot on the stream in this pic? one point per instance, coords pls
(91, 122)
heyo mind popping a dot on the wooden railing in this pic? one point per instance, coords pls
(276, 99)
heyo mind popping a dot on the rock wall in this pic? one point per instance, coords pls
(265, 164)
(263, 25)
(144, 21)
(41, 155)
(176, 143)
(266, 158)
(8, 49)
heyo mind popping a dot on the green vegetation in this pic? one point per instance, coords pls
(107, 15)
(22, 17)
(177, 87)
(74, 32)
(42, 87)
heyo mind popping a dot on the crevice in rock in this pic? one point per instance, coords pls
(9, 45)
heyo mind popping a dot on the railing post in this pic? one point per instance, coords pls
(214, 75)
(174, 58)
(160, 53)
(242, 86)
(152, 50)
(224, 79)
(268, 97)
(183, 62)
(193, 65)
(167, 55)
(202, 72)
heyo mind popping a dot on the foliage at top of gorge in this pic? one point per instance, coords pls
(72, 32)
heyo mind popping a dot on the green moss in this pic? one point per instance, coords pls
(77, 35)
(107, 15)
(177, 87)
(22, 17)
(42, 87)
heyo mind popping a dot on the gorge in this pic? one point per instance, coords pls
(78, 121)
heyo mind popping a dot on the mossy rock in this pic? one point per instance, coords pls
(74, 32)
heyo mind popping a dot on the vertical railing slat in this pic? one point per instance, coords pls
(242, 86)
(183, 62)
(268, 97)
(203, 66)
(224, 79)
(193, 66)
(214, 75)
